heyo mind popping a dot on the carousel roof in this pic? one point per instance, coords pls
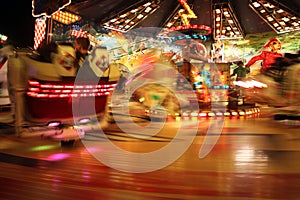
(227, 18)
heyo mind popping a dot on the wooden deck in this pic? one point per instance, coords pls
(252, 159)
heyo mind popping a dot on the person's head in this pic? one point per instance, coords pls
(240, 63)
(82, 44)
(46, 49)
(274, 44)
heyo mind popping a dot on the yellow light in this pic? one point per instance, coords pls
(234, 113)
(65, 17)
(219, 114)
(202, 114)
(4, 37)
(193, 114)
(211, 114)
(140, 16)
(184, 16)
(124, 15)
(147, 4)
(148, 9)
(142, 99)
(256, 4)
(227, 114)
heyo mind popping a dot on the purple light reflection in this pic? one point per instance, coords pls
(58, 156)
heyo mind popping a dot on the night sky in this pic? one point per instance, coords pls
(17, 22)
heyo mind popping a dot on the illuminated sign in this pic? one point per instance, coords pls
(186, 16)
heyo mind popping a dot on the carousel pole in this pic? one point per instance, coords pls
(49, 30)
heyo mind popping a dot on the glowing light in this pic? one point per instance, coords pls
(65, 17)
(123, 22)
(279, 17)
(54, 124)
(43, 147)
(185, 114)
(39, 31)
(241, 113)
(211, 114)
(58, 156)
(202, 114)
(190, 14)
(193, 114)
(224, 16)
(250, 84)
(245, 156)
(55, 90)
(203, 28)
(3, 37)
(234, 113)
(227, 114)
(219, 114)
(84, 120)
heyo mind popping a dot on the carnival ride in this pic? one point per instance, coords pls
(49, 101)
(114, 27)
(45, 95)
(277, 87)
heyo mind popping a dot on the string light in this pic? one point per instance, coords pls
(278, 17)
(226, 25)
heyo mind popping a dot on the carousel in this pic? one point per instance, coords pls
(162, 55)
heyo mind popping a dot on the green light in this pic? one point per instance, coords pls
(155, 97)
(43, 147)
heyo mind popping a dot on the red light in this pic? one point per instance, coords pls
(33, 89)
(34, 83)
(49, 90)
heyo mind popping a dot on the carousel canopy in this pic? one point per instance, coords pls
(227, 18)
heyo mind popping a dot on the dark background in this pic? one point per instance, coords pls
(17, 22)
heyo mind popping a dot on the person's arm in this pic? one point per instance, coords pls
(234, 72)
(254, 59)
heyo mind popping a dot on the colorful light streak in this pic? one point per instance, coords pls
(185, 17)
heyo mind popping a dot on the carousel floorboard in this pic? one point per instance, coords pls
(252, 159)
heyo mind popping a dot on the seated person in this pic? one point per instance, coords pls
(95, 65)
(81, 46)
(65, 61)
(240, 72)
(267, 57)
(45, 51)
(52, 61)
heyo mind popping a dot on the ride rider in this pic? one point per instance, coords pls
(268, 57)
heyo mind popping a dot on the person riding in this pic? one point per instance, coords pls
(81, 46)
(268, 57)
(240, 72)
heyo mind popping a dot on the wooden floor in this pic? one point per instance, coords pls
(253, 159)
